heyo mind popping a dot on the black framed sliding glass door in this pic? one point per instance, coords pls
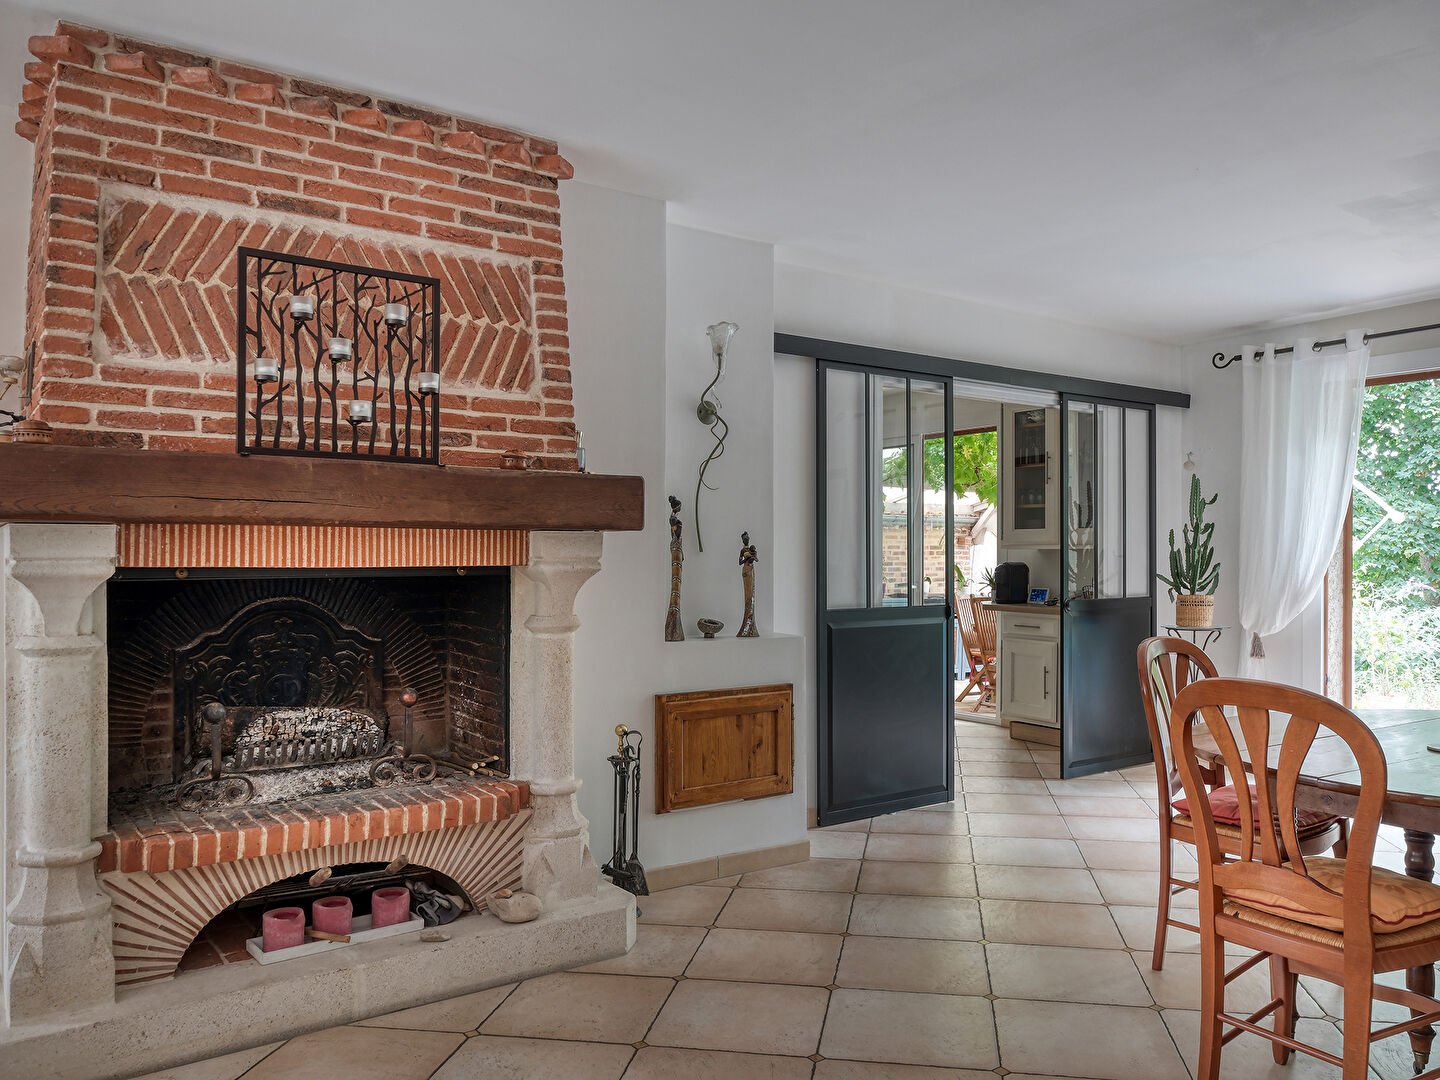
(886, 657)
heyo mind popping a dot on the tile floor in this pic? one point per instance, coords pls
(1006, 934)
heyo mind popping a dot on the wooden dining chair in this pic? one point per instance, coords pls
(969, 647)
(1341, 920)
(1167, 665)
(985, 635)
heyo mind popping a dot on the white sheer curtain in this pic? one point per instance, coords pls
(1301, 427)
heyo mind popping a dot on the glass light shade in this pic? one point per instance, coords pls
(265, 370)
(302, 307)
(720, 334)
(428, 382)
(397, 314)
(341, 348)
(361, 412)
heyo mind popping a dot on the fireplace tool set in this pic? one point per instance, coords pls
(624, 870)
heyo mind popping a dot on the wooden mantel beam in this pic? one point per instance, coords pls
(74, 483)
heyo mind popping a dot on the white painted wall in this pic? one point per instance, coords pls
(1211, 430)
(640, 297)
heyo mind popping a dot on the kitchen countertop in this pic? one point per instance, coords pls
(1025, 609)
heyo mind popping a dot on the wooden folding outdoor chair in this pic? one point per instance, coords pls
(969, 647)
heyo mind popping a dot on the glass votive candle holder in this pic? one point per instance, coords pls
(282, 928)
(341, 349)
(302, 307)
(332, 914)
(389, 906)
(428, 382)
(265, 370)
(361, 412)
(397, 314)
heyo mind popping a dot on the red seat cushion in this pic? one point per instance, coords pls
(1225, 806)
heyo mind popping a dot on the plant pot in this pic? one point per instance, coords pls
(1194, 611)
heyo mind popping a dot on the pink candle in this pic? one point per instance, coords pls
(282, 928)
(389, 906)
(332, 914)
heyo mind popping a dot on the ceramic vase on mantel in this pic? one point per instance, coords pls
(1194, 612)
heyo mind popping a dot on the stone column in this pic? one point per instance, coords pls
(558, 866)
(58, 955)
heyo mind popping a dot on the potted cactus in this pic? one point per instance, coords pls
(1194, 574)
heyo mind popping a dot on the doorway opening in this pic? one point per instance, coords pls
(1383, 589)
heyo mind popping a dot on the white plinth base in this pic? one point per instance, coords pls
(218, 1010)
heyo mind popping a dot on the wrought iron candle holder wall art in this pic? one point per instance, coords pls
(625, 870)
(336, 360)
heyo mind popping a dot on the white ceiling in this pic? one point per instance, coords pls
(1174, 168)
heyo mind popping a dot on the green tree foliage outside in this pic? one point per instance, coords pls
(1396, 574)
(976, 466)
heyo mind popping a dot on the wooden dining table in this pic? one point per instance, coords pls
(1329, 782)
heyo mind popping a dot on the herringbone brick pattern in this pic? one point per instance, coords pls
(168, 289)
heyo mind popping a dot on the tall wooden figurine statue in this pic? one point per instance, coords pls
(673, 630)
(748, 557)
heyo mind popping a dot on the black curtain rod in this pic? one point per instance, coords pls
(1221, 363)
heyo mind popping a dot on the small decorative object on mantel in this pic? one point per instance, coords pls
(709, 627)
(709, 412)
(515, 459)
(579, 451)
(673, 630)
(336, 360)
(624, 870)
(514, 907)
(748, 558)
(1193, 580)
(31, 431)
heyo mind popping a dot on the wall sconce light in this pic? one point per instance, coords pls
(1189, 461)
(709, 411)
(265, 370)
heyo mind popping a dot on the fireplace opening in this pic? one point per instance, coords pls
(436, 898)
(296, 687)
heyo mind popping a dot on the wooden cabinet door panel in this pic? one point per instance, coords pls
(719, 745)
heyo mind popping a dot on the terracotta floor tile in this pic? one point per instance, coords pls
(917, 879)
(907, 847)
(689, 905)
(1021, 851)
(1110, 1042)
(1028, 922)
(668, 1063)
(915, 1029)
(786, 909)
(659, 950)
(536, 1059)
(226, 1067)
(1036, 883)
(769, 956)
(816, 875)
(590, 1008)
(913, 964)
(753, 1017)
(358, 1053)
(950, 918)
(1058, 973)
(464, 1013)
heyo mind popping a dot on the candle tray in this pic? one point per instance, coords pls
(359, 931)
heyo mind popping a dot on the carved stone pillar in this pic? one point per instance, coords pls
(558, 866)
(57, 920)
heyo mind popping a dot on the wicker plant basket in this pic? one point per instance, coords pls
(1194, 611)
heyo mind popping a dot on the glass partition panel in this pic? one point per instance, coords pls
(1109, 501)
(895, 582)
(1080, 499)
(847, 470)
(928, 536)
(1137, 502)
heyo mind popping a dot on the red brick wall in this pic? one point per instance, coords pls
(152, 166)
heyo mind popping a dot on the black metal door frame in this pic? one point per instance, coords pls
(1126, 695)
(897, 617)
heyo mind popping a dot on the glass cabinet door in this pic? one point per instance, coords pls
(1030, 496)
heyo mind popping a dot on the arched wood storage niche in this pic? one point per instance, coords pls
(157, 916)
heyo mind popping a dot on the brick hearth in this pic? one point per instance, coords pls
(179, 839)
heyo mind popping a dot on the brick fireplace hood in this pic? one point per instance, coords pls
(73, 483)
